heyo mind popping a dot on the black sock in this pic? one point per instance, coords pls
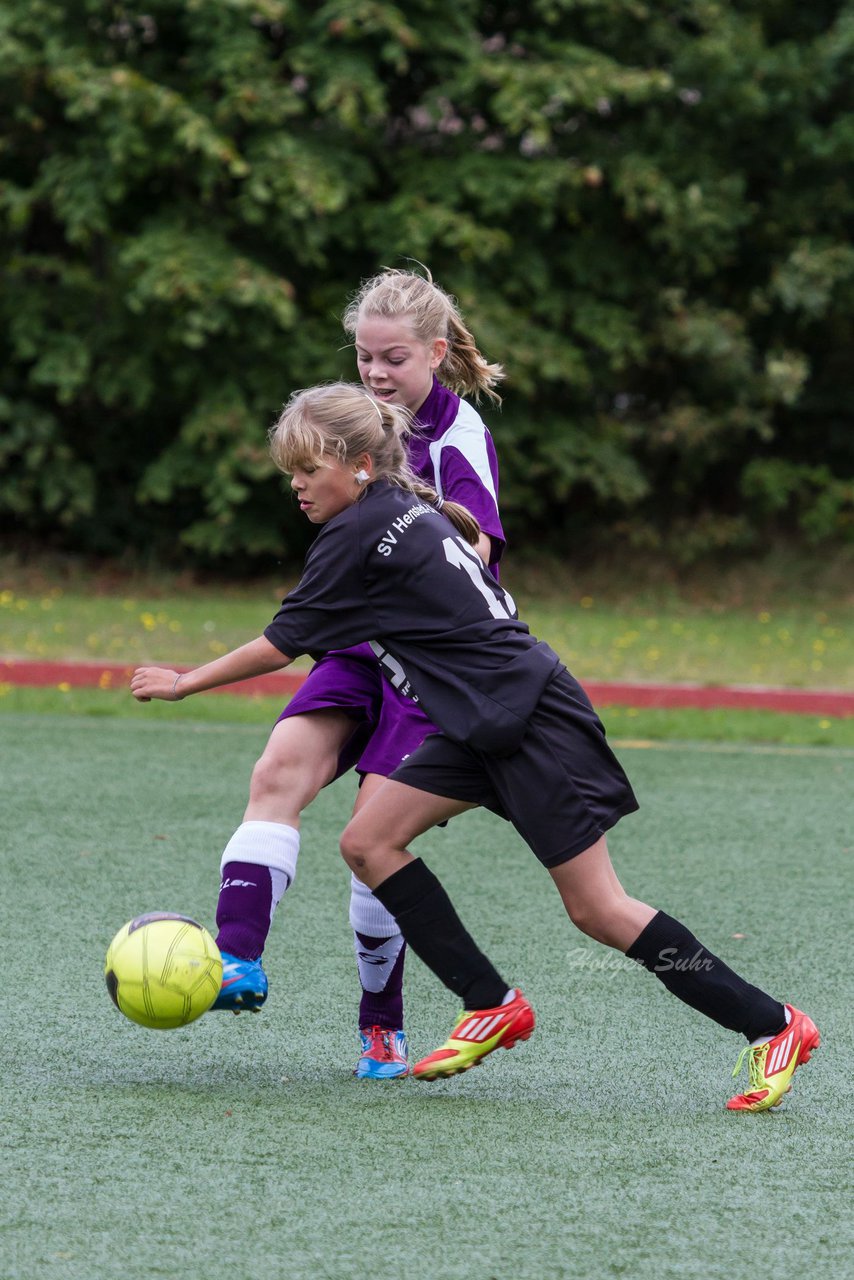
(429, 923)
(670, 951)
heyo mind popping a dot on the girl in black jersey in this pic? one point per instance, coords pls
(517, 735)
(412, 348)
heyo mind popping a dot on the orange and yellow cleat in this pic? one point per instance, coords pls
(477, 1033)
(770, 1066)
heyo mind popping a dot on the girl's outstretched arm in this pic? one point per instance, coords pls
(256, 658)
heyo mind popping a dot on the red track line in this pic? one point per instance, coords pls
(811, 702)
(837, 703)
(114, 675)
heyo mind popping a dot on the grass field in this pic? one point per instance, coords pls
(242, 1147)
(786, 621)
(785, 625)
(655, 724)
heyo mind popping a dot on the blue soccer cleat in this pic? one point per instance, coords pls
(244, 985)
(383, 1054)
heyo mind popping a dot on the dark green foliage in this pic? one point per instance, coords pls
(645, 211)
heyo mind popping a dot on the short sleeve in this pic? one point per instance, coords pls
(328, 608)
(461, 483)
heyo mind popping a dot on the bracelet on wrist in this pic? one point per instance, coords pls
(175, 684)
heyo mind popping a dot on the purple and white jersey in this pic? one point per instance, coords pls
(453, 452)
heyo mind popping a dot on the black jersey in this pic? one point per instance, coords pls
(393, 570)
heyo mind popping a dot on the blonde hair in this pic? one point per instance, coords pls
(433, 313)
(341, 421)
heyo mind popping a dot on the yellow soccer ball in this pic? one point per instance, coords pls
(163, 970)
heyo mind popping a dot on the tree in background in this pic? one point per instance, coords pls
(644, 209)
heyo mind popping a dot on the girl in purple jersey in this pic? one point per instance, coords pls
(413, 350)
(517, 735)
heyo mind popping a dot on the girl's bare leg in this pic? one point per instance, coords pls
(260, 859)
(596, 902)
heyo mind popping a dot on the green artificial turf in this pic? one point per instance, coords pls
(674, 723)
(243, 1148)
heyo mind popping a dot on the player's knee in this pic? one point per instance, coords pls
(267, 776)
(355, 849)
(279, 773)
(363, 847)
(590, 919)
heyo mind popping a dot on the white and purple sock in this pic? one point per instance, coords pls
(258, 865)
(380, 951)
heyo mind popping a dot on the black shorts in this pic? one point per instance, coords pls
(562, 789)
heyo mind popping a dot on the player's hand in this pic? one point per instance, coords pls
(156, 682)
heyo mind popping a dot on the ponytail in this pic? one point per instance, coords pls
(464, 369)
(460, 517)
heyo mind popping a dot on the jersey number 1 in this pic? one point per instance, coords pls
(459, 555)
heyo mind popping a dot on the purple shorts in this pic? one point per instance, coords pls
(387, 727)
(346, 680)
(402, 727)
